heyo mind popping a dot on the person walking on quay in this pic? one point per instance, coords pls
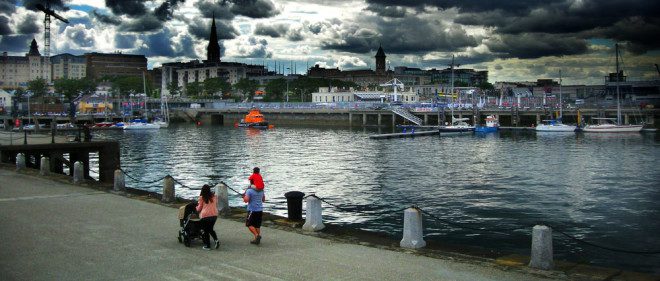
(254, 198)
(208, 212)
(256, 179)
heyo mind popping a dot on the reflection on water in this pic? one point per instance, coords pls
(602, 188)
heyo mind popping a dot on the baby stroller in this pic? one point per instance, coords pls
(190, 225)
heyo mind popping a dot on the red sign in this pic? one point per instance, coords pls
(17, 123)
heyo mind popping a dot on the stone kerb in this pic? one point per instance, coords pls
(20, 161)
(413, 233)
(541, 248)
(168, 190)
(45, 166)
(78, 172)
(223, 199)
(120, 181)
(313, 215)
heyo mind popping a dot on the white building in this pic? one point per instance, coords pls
(5, 101)
(17, 71)
(326, 94)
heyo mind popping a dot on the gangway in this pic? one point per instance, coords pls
(407, 115)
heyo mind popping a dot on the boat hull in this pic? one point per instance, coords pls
(455, 131)
(141, 126)
(555, 128)
(262, 125)
(481, 129)
(612, 128)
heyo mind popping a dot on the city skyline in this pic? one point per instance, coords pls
(513, 41)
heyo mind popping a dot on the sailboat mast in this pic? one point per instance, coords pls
(560, 104)
(618, 97)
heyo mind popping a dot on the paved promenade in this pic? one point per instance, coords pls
(56, 231)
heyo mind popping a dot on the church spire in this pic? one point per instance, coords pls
(213, 50)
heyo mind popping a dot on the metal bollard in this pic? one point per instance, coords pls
(223, 199)
(20, 161)
(45, 166)
(120, 181)
(313, 215)
(413, 233)
(78, 172)
(541, 248)
(168, 190)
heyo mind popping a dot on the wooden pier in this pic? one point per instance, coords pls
(405, 135)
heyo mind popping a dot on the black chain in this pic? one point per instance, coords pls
(133, 178)
(461, 225)
(601, 246)
(386, 212)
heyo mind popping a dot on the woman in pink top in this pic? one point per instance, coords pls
(208, 212)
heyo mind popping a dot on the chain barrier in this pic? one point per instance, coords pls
(141, 181)
(505, 231)
(357, 211)
(601, 246)
(464, 226)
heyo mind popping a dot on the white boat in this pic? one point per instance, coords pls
(492, 125)
(613, 125)
(164, 109)
(458, 126)
(610, 125)
(555, 125)
(140, 125)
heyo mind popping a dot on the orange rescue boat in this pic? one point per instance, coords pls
(254, 119)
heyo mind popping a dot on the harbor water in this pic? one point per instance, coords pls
(486, 191)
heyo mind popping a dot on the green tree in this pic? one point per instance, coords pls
(39, 88)
(71, 88)
(246, 87)
(216, 85)
(174, 89)
(485, 86)
(125, 85)
(194, 89)
(275, 90)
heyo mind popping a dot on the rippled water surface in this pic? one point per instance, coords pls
(601, 188)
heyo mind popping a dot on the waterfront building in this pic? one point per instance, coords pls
(17, 71)
(68, 66)
(94, 104)
(102, 65)
(180, 74)
(5, 101)
(332, 95)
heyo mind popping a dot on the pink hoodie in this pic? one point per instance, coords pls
(207, 209)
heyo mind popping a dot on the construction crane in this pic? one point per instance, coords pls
(48, 12)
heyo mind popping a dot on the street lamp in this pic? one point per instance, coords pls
(287, 85)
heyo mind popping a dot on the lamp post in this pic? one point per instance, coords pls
(287, 85)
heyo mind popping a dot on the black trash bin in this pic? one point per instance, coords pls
(294, 204)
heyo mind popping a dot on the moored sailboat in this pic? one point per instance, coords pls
(613, 125)
(555, 125)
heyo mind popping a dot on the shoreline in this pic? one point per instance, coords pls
(348, 235)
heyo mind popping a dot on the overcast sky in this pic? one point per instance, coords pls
(513, 40)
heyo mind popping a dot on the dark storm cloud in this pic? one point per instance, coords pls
(295, 34)
(536, 45)
(255, 48)
(7, 6)
(29, 25)
(16, 43)
(254, 8)
(80, 36)
(641, 33)
(210, 9)
(400, 35)
(4, 26)
(106, 18)
(142, 24)
(54, 4)
(160, 44)
(124, 41)
(387, 11)
(166, 10)
(275, 30)
(131, 8)
(201, 29)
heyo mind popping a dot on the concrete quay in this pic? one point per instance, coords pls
(53, 230)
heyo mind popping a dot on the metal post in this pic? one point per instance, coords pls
(25, 137)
